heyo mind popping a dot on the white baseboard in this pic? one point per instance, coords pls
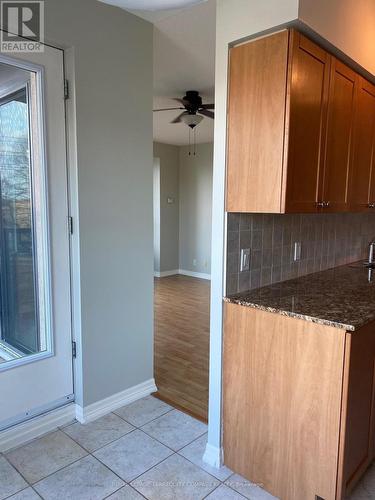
(185, 272)
(194, 274)
(164, 274)
(25, 432)
(22, 433)
(105, 406)
(213, 456)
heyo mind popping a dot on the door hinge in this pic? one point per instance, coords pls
(70, 224)
(66, 89)
(74, 349)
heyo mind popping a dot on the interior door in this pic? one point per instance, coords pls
(35, 320)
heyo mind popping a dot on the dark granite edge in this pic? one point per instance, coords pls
(290, 314)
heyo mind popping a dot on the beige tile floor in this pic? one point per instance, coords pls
(143, 450)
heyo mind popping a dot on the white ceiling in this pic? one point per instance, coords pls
(184, 59)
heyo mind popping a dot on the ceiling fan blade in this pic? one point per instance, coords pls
(182, 101)
(178, 118)
(166, 109)
(207, 113)
(207, 106)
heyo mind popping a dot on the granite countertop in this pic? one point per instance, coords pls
(342, 297)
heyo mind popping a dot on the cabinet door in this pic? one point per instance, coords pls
(362, 174)
(282, 386)
(256, 117)
(359, 421)
(339, 137)
(308, 90)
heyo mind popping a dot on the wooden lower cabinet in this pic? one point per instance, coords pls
(298, 403)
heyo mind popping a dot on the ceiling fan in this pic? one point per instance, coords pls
(194, 109)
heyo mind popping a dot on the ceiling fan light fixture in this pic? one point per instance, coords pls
(191, 120)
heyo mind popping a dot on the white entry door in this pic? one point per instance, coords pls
(35, 309)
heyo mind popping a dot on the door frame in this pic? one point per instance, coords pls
(73, 205)
(63, 413)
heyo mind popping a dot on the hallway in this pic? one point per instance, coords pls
(182, 342)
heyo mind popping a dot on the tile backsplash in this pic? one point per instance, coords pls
(327, 240)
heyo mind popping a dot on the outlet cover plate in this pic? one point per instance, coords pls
(245, 259)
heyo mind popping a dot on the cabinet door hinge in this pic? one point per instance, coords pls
(66, 90)
(70, 224)
(74, 349)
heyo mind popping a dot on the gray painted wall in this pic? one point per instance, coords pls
(185, 225)
(169, 212)
(196, 208)
(113, 90)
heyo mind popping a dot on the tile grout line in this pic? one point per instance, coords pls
(76, 461)
(130, 486)
(20, 473)
(148, 422)
(100, 447)
(91, 453)
(173, 452)
(179, 449)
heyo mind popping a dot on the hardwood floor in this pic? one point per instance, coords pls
(182, 315)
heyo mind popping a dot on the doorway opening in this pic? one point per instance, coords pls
(184, 111)
(182, 249)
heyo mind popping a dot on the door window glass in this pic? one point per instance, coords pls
(22, 327)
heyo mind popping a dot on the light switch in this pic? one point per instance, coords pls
(245, 259)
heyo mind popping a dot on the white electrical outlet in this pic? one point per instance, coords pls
(297, 251)
(245, 259)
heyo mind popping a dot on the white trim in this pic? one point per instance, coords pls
(105, 406)
(194, 274)
(184, 272)
(35, 87)
(164, 274)
(22, 433)
(75, 263)
(213, 456)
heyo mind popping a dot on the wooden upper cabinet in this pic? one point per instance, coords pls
(301, 129)
(308, 97)
(339, 137)
(256, 114)
(362, 171)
